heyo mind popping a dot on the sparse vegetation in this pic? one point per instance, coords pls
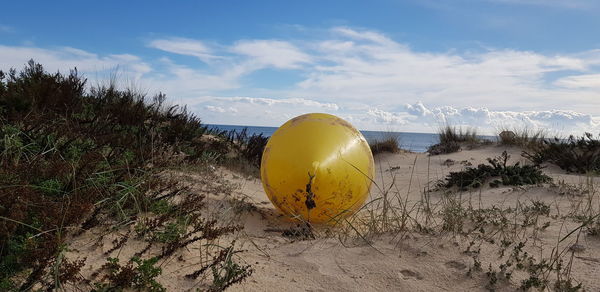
(250, 147)
(70, 156)
(579, 155)
(446, 148)
(508, 175)
(73, 160)
(388, 144)
(522, 137)
(512, 232)
(227, 272)
(451, 140)
(142, 276)
(450, 134)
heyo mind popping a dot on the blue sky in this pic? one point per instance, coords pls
(383, 65)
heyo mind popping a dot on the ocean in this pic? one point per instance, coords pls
(416, 142)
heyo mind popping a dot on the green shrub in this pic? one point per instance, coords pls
(387, 144)
(140, 277)
(67, 152)
(51, 187)
(451, 138)
(446, 148)
(523, 137)
(228, 272)
(580, 155)
(451, 134)
(250, 147)
(507, 175)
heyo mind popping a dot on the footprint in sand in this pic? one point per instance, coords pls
(455, 265)
(411, 274)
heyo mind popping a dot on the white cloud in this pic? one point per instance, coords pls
(363, 35)
(179, 81)
(186, 83)
(361, 75)
(288, 101)
(384, 117)
(580, 81)
(257, 111)
(271, 53)
(216, 109)
(413, 117)
(235, 61)
(591, 57)
(184, 46)
(488, 120)
(67, 58)
(388, 73)
(418, 109)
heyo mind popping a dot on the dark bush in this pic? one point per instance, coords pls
(451, 140)
(446, 148)
(524, 138)
(250, 147)
(450, 134)
(508, 175)
(66, 152)
(388, 144)
(580, 155)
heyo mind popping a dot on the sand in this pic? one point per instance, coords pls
(413, 260)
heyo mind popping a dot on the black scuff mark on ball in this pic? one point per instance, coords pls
(310, 202)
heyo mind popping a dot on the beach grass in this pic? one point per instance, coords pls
(452, 139)
(73, 158)
(388, 143)
(522, 137)
(575, 154)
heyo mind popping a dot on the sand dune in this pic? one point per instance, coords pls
(427, 255)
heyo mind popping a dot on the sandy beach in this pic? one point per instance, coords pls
(420, 145)
(429, 254)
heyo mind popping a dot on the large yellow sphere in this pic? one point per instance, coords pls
(317, 168)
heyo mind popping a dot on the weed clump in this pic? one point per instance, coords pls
(70, 156)
(250, 147)
(579, 155)
(142, 276)
(508, 175)
(523, 138)
(227, 272)
(446, 148)
(451, 140)
(451, 134)
(387, 144)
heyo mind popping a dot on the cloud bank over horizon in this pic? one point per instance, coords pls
(362, 75)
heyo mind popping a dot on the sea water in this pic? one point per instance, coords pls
(416, 142)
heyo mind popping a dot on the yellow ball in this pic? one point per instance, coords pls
(317, 168)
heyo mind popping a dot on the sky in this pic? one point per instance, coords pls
(390, 65)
